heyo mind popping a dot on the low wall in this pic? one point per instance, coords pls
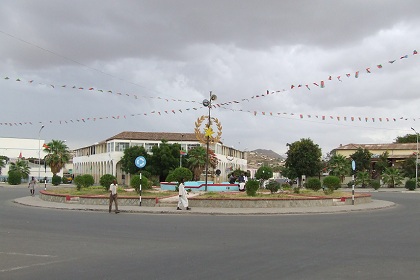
(96, 200)
(212, 202)
(277, 202)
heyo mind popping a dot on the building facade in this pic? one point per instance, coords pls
(25, 149)
(103, 157)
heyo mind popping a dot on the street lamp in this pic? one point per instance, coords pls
(417, 154)
(39, 151)
(207, 103)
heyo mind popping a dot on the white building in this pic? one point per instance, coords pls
(103, 157)
(26, 149)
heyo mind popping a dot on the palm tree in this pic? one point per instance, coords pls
(339, 166)
(22, 167)
(392, 177)
(58, 155)
(362, 177)
(197, 158)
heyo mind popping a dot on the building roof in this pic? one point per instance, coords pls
(158, 136)
(385, 147)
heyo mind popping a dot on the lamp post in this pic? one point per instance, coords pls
(39, 152)
(207, 103)
(180, 152)
(417, 155)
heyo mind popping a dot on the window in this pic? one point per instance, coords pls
(110, 147)
(149, 146)
(121, 146)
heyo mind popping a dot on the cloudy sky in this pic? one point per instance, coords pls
(88, 70)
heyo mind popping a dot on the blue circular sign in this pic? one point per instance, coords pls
(353, 165)
(140, 162)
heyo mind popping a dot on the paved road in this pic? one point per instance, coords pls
(38, 243)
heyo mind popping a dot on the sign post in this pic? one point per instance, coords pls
(140, 162)
(353, 166)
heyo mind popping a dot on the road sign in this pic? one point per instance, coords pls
(353, 165)
(140, 162)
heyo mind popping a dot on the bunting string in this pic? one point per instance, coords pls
(308, 86)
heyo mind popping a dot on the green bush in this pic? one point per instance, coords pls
(410, 184)
(273, 186)
(313, 184)
(135, 183)
(15, 178)
(84, 181)
(286, 187)
(56, 180)
(331, 183)
(106, 180)
(251, 187)
(178, 173)
(375, 184)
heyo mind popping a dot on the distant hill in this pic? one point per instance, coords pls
(259, 157)
(268, 153)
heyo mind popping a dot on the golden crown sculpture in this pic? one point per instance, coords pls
(208, 130)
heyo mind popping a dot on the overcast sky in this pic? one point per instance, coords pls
(88, 70)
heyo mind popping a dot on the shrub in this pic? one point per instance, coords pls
(286, 186)
(331, 183)
(106, 180)
(84, 181)
(135, 183)
(15, 178)
(273, 186)
(178, 173)
(313, 184)
(56, 180)
(410, 184)
(375, 184)
(251, 187)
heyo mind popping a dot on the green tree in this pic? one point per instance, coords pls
(408, 138)
(408, 167)
(392, 177)
(22, 167)
(165, 158)
(135, 183)
(303, 158)
(339, 166)
(128, 160)
(362, 178)
(106, 180)
(58, 155)
(179, 173)
(362, 159)
(263, 173)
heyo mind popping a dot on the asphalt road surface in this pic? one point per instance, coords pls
(37, 243)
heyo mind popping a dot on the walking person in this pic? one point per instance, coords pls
(182, 196)
(241, 181)
(113, 196)
(31, 185)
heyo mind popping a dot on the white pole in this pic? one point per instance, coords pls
(39, 152)
(417, 154)
(140, 190)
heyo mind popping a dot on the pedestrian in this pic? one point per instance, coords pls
(241, 181)
(182, 196)
(31, 185)
(113, 196)
(232, 179)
